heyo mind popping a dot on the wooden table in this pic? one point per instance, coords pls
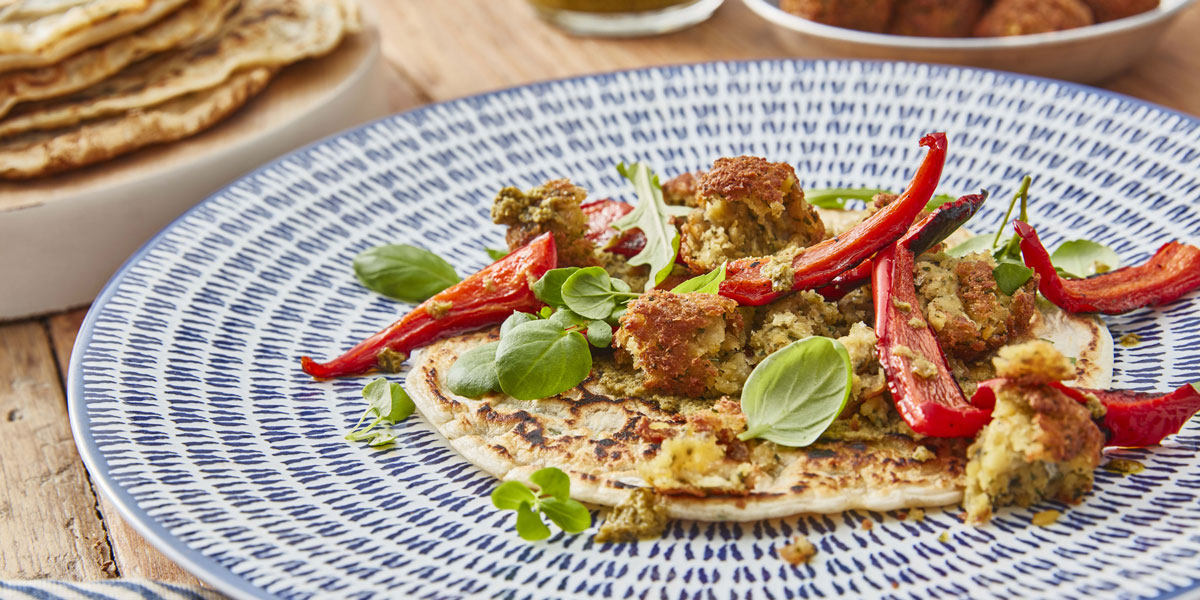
(51, 521)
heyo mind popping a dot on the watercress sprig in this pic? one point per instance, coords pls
(840, 198)
(653, 216)
(793, 395)
(552, 499)
(387, 404)
(404, 272)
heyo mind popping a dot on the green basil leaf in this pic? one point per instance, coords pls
(538, 359)
(599, 334)
(495, 254)
(402, 406)
(1011, 275)
(837, 198)
(548, 288)
(589, 292)
(515, 319)
(791, 397)
(510, 495)
(709, 283)
(529, 524)
(1083, 258)
(979, 243)
(567, 318)
(474, 373)
(404, 272)
(552, 482)
(569, 515)
(653, 217)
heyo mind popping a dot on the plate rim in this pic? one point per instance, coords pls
(223, 579)
(770, 12)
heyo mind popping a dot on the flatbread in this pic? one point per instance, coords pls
(599, 439)
(36, 33)
(199, 20)
(39, 153)
(268, 33)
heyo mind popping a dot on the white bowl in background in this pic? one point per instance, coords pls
(1086, 54)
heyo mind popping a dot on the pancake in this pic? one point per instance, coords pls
(599, 437)
(36, 33)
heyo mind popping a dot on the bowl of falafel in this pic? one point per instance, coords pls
(1078, 40)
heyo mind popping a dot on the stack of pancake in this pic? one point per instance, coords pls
(83, 81)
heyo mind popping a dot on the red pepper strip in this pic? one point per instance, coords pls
(1172, 272)
(485, 298)
(933, 406)
(821, 263)
(601, 214)
(926, 234)
(1134, 419)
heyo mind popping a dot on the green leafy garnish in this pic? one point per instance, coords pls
(495, 253)
(592, 293)
(791, 397)
(537, 359)
(708, 283)
(653, 217)
(473, 374)
(387, 404)
(404, 272)
(548, 289)
(839, 198)
(938, 200)
(1011, 275)
(515, 319)
(553, 500)
(1083, 258)
(599, 334)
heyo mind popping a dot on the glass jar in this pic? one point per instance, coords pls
(624, 18)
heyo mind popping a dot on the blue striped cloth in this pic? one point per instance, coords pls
(112, 589)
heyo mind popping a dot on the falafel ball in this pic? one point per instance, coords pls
(554, 207)
(1023, 17)
(864, 15)
(935, 18)
(1111, 10)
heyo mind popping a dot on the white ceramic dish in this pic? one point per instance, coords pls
(61, 237)
(1086, 55)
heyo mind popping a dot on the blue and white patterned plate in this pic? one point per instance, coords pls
(191, 412)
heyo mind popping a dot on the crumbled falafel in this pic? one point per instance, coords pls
(1023, 17)
(864, 15)
(551, 207)
(686, 344)
(681, 190)
(747, 206)
(935, 18)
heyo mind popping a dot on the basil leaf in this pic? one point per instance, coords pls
(979, 243)
(404, 272)
(512, 494)
(653, 217)
(569, 515)
(474, 373)
(589, 292)
(495, 254)
(836, 198)
(529, 525)
(1083, 258)
(538, 359)
(567, 318)
(548, 288)
(552, 482)
(791, 397)
(515, 319)
(599, 334)
(1010, 276)
(709, 283)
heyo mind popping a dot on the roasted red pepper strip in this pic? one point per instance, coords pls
(601, 214)
(923, 389)
(485, 298)
(1134, 419)
(1172, 272)
(819, 264)
(929, 232)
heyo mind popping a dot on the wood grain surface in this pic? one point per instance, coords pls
(436, 51)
